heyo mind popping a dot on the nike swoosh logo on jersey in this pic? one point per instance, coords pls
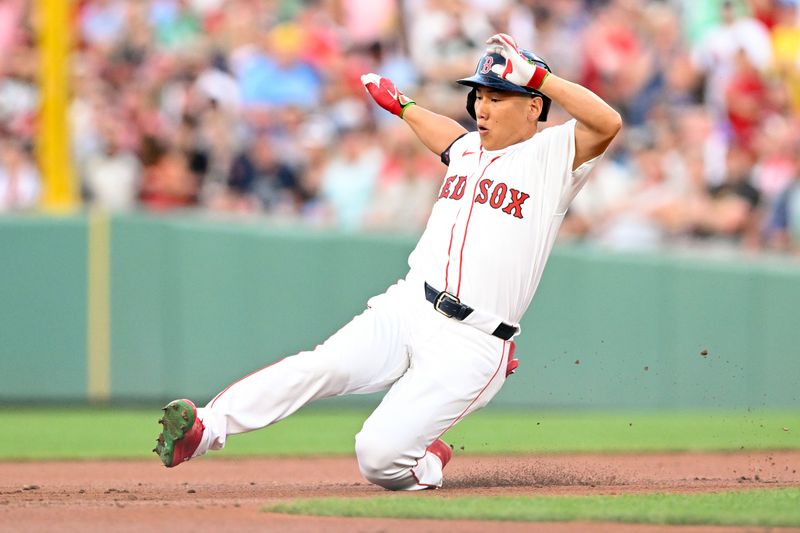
(467, 152)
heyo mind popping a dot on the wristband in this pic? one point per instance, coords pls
(537, 80)
(403, 107)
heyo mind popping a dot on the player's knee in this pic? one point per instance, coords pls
(378, 460)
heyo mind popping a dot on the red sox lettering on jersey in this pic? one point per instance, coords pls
(496, 194)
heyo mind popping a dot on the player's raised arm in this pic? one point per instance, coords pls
(437, 132)
(598, 122)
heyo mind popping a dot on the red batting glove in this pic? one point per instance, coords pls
(383, 91)
(519, 70)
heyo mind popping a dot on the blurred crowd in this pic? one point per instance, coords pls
(255, 108)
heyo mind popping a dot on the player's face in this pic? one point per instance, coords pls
(504, 117)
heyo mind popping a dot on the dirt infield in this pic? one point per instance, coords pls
(226, 494)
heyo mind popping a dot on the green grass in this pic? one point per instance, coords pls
(519, 432)
(773, 508)
(64, 433)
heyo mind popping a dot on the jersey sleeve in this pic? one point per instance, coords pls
(561, 153)
(445, 156)
(465, 144)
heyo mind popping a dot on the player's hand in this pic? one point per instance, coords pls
(518, 69)
(384, 92)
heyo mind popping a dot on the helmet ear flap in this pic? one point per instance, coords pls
(545, 106)
(471, 103)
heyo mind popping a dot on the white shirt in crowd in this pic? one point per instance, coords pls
(20, 191)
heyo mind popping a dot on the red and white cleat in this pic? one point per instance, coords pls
(442, 450)
(181, 434)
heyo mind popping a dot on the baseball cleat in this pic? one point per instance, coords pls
(181, 433)
(442, 450)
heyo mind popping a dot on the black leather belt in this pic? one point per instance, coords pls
(451, 307)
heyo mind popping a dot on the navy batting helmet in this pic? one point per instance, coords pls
(485, 77)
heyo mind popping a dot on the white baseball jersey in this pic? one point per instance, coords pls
(496, 219)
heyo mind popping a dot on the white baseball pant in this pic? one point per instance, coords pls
(436, 369)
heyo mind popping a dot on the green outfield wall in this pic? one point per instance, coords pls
(194, 303)
(43, 311)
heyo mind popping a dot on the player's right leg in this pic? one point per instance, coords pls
(454, 372)
(367, 355)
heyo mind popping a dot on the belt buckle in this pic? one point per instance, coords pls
(441, 298)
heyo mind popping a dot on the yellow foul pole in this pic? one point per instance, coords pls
(59, 191)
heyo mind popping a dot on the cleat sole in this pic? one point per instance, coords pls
(175, 426)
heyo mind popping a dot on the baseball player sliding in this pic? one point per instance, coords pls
(440, 340)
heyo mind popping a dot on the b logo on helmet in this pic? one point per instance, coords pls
(487, 65)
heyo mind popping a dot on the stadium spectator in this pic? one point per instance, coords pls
(19, 179)
(445, 36)
(786, 47)
(407, 186)
(314, 143)
(783, 227)
(177, 27)
(113, 175)
(12, 14)
(730, 211)
(350, 177)
(775, 144)
(745, 100)
(649, 208)
(19, 94)
(275, 74)
(368, 21)
(259, 180)
(716, 55)
(168, 182)
(615, 60)
(102, 23)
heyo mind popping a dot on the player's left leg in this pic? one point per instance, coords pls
(367, 355)
(454, 372)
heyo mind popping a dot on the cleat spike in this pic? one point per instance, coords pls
(184, 415)
(183, 427)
